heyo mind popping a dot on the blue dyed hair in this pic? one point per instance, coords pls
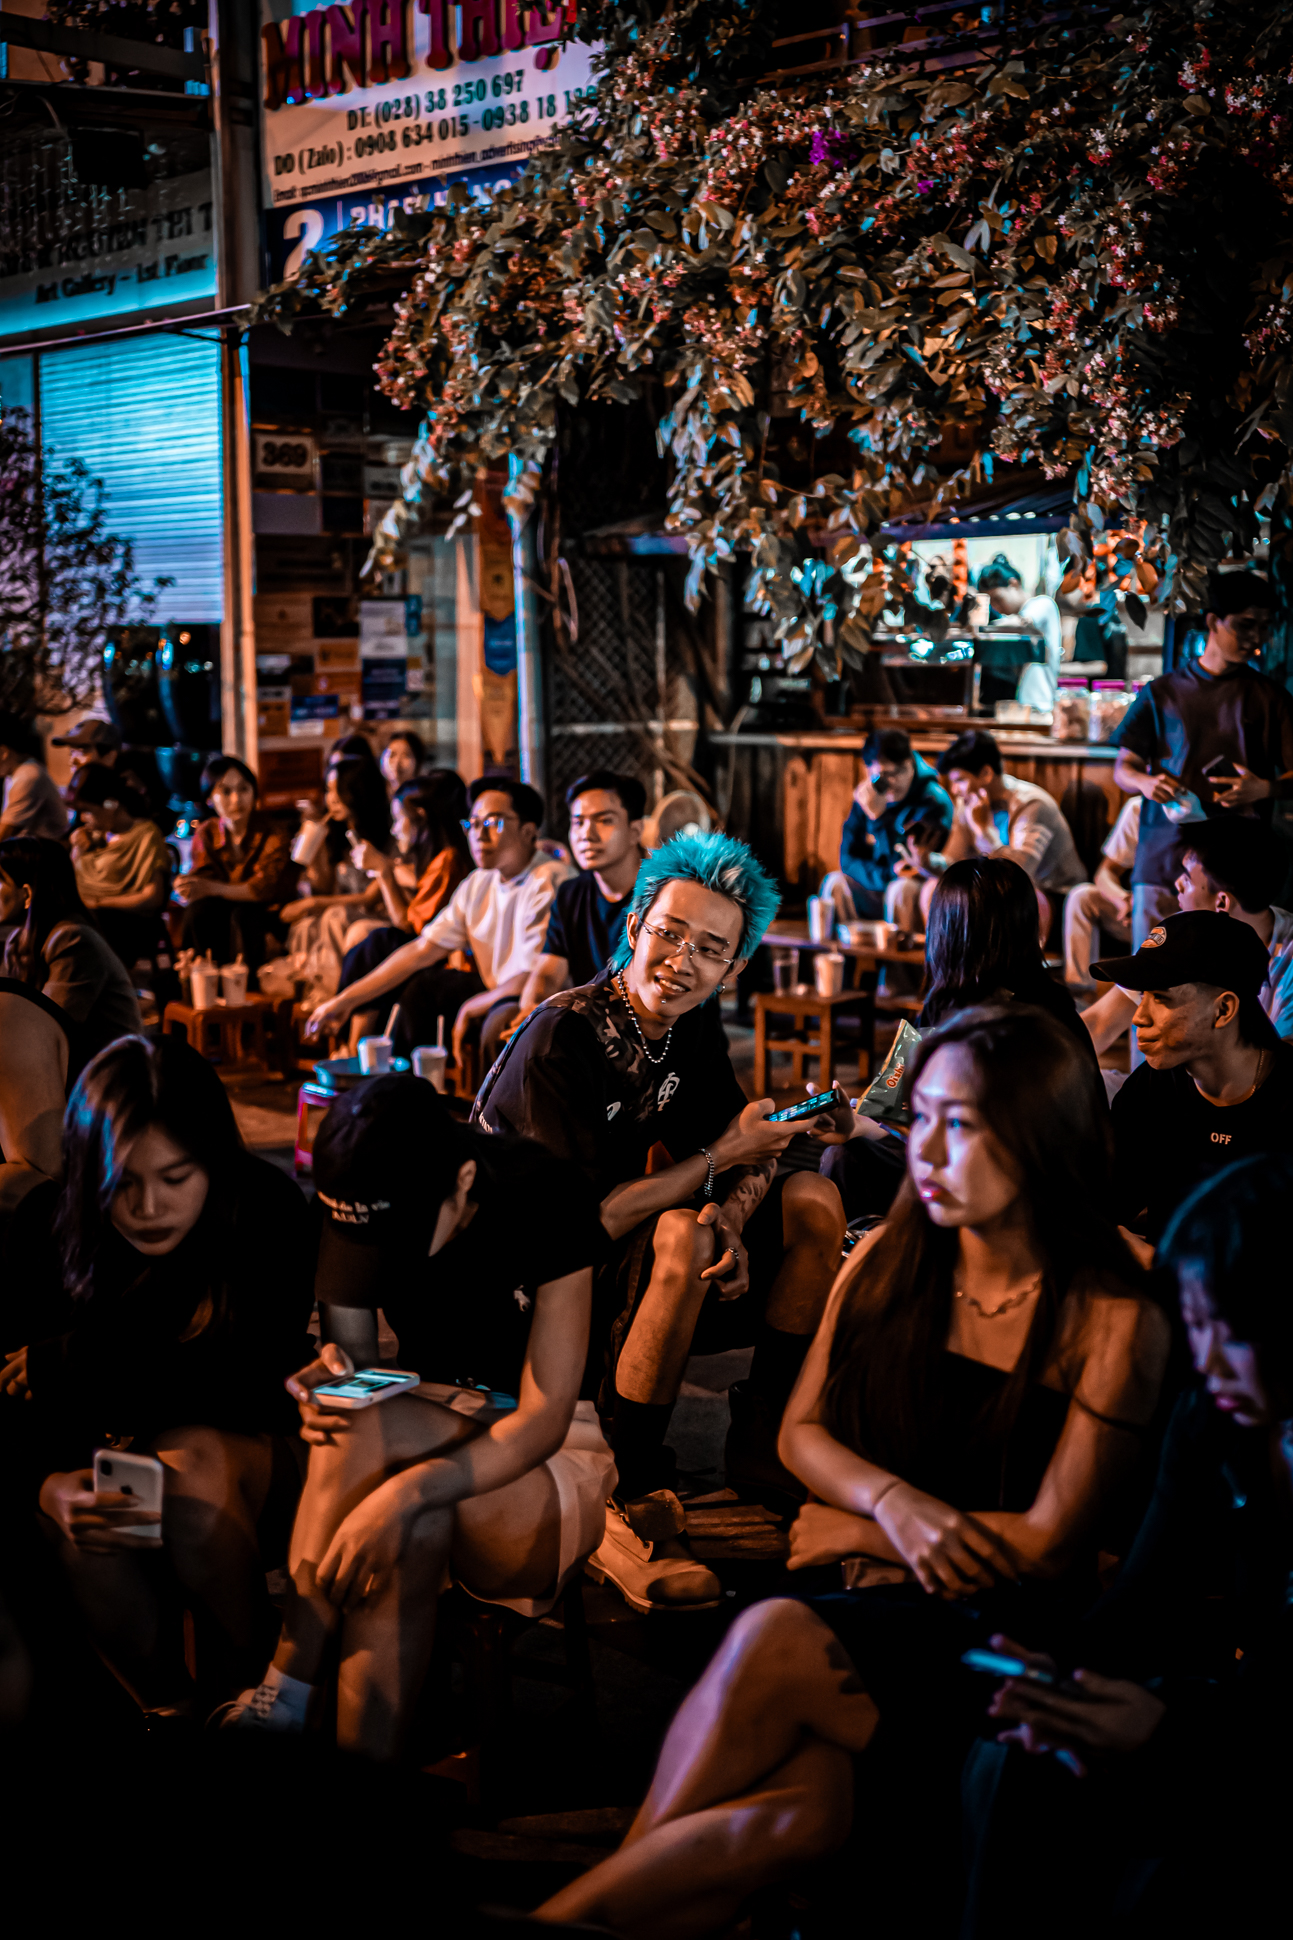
(718, 863)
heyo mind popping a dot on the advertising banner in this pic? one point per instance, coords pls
(137, 249)
(383, 103)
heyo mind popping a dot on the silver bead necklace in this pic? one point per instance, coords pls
(619, 985)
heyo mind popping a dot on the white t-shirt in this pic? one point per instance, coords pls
(1039, 682)
(503, 924)
(1120, 843)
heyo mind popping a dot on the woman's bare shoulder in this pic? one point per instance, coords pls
(1116, 1343)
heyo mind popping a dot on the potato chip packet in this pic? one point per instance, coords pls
(885, 1098)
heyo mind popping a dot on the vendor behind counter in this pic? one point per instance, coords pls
(1028, 672)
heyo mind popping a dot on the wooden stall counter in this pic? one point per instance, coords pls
(790, 793)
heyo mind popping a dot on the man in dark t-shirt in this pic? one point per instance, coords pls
(1217, 1081)
(1213, 737)
(587, 918)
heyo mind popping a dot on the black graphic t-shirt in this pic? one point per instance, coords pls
(577, 1078)
(1168, 1137)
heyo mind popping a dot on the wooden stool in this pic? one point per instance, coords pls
(799, 1005)
(219, 1035)
(309, 1096)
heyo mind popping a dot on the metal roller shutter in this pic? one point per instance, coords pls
(145, 417)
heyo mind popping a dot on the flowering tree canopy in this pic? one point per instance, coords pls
(847, 293)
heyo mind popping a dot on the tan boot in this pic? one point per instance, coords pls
(644, 1553)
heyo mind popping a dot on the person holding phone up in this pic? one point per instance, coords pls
(1213, 736)
(159, 1312)
(480, 1252)
(976, 1396)
(714, 1245)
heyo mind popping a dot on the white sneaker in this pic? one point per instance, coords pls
(644, 1553)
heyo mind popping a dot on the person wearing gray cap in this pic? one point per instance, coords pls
(97, 740)
(1217, 1081)
(92, 739)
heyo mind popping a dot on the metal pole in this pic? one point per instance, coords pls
(529, 711)
(231, 52)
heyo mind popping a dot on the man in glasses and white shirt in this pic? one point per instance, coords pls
(711, 1243)
(499, 914)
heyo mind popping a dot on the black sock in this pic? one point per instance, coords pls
(638, 1430)
(777, 1360)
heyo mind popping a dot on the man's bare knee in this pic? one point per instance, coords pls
(814, 1205)
(682, 1244)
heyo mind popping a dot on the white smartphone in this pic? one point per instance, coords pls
(365, 1386)
(138, 1475)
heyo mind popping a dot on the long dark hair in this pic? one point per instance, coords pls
(436, 799)
(1231, 1235)
(38, 862)
(982, 936)
(129, 1087)
(359, 784)
(1045, 1106)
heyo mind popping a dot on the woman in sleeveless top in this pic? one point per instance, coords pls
(973, 1405)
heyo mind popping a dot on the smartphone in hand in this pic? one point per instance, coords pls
(141, 1476)
(821, 1101)
(364, 1387)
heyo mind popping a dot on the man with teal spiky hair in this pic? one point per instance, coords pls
(717, 1245)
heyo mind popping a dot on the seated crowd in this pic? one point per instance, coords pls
(1032, 1436)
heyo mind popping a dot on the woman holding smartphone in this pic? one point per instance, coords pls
(1183, 1687)
(162, 1315)
(977, 1394)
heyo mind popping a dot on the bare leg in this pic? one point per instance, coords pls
(655, 1353)
(119, 1602)
(216, 1487)
(502, 1544)
(378, 1443)
(812, 1225)
(752, 1781)
(1043, 916)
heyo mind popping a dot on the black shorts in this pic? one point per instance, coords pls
(625, 1274)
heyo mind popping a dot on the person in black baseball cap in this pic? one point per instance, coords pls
(479, 1250)
(1217, 1081)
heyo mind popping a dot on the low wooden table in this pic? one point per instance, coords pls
(221, 1035)
(793, 935)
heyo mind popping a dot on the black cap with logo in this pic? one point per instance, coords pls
(1198, 946)
(383, 1159)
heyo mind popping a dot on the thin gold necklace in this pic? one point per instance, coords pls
(1011, 1300)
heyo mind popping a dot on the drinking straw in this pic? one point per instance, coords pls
(391, 1022)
